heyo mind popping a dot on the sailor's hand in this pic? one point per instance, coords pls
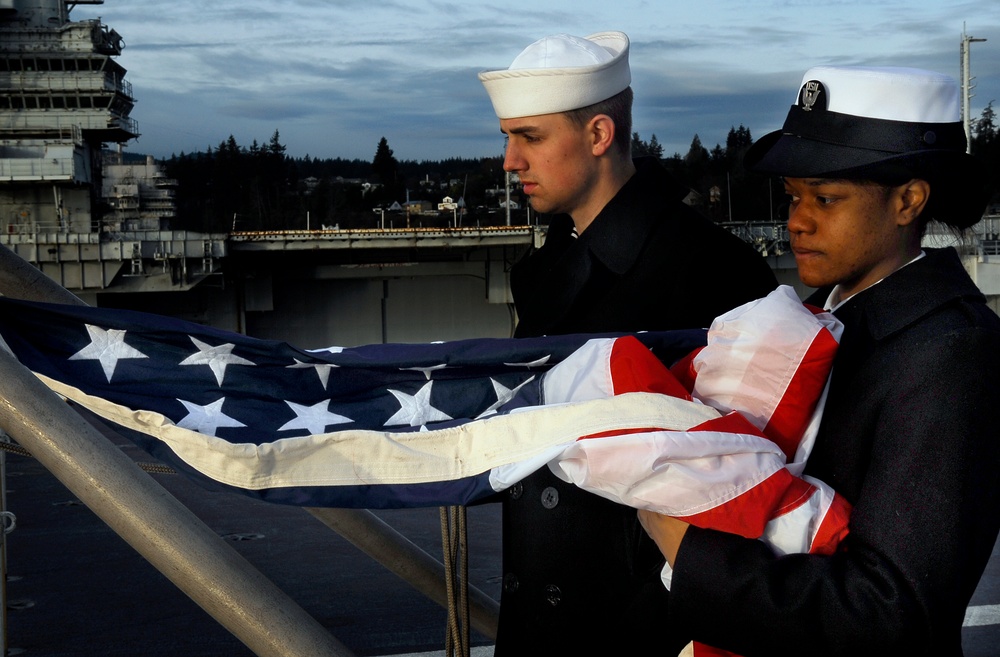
(665, 531)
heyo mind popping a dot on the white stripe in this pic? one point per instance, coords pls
(677, 473)
(583, 375)
(353, 457)
(754, 352)
(982, 615)
(795, 531)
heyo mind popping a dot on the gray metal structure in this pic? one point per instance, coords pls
(62, 97)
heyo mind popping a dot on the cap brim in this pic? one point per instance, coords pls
(957, 179)
(788, 155)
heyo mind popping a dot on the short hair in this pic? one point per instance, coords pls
(619, 108)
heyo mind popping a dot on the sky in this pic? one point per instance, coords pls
(335, 76)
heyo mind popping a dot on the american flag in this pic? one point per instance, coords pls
(366, 427)
(719, 441)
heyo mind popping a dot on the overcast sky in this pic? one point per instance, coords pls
(335, 76)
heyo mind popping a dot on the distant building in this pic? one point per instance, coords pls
(419, 207)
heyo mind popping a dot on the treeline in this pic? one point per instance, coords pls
(259, 187)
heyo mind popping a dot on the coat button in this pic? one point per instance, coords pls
(553, 595)
(516, 490)
(550, 498)
(510, 583)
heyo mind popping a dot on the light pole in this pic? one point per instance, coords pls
(966, 86)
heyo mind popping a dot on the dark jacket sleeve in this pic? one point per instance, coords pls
(921, 531)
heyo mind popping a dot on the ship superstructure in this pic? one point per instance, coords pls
(64, 118)
(62, 98)
(137, 196)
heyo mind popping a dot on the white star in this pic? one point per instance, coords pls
(504, 395)
(322, 370)
(534, 363)
(108, 347)
(426, 370)
(315, 418)
(326, 350)
(216, 358)
(206, 419)
(416, 410)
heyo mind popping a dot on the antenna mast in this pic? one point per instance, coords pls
(967, 85)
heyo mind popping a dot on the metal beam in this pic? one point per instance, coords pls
(142, 512)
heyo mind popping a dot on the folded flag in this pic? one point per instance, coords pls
(377, 426)
(720, 441)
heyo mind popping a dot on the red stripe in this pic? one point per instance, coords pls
(619, 432)
(749, 513)
(684, 370)
(702, 650)
(792, 414)
(833, 529)
(732, 422)
(634, 368)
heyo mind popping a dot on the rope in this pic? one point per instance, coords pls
(156, 468)
(454, 542)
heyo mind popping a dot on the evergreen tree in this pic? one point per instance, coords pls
(651, 148)
(385, 166)
(696, 163)
(985, 145)
(655, 147)
(275, 146)
(738, 141)
(387, 169)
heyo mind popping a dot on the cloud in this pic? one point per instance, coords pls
(334, 76)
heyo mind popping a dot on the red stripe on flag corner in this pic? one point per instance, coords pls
(731, 422)
(702, 650)
(833, 529)
(748, 514)
(792, 414)
(815, 310)
(684, 370)
(611, 433)
(634, 368)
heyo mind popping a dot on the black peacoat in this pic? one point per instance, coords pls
(580, 576)
(908, 437)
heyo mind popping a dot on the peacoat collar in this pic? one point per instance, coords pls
(618, 234)
(908, 294)
(549, 283)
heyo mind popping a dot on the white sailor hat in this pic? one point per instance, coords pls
(560, 73)
(883, 124)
